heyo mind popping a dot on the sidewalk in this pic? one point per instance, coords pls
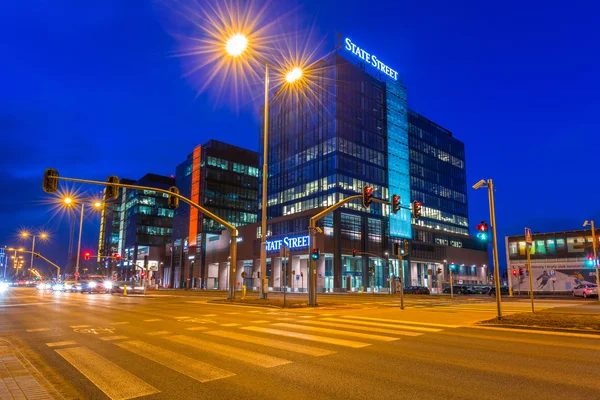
(16, 380)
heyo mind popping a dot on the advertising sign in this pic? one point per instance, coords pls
(292, 242)
(554, 277)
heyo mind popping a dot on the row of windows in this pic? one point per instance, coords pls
(439, 203)
(235, 179)
(217, 189)
(153, 230)
(151, 210)
(438, 190)
(441, 226)
(357, 167)
(575, 246)
(435, 152)
(236, 218)
(302, 191)
(432, 213)
(361, 152)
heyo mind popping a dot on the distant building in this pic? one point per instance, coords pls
(138, 225)
(223, 178)
(559, 260)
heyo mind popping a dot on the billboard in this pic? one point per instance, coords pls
(554, 277)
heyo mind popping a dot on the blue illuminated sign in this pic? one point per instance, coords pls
(370, 59)
(296, 242)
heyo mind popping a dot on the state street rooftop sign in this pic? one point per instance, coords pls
(296, 242)
(370, 59)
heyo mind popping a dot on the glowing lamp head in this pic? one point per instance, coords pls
(97, 204)
(294, 75)
(44, 236)
(24, 234)
(236, 45)
(68, 200)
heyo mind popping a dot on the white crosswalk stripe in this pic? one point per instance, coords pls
(315, 338)
(386, 325)
(338, 332)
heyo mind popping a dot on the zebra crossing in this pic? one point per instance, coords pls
(209, 348)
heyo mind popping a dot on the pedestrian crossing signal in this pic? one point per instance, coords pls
(315, 254)
(367, 196)
(482, 231)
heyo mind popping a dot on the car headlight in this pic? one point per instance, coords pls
(108, 285)
(92, 284)
(48, 286)
(59, 287)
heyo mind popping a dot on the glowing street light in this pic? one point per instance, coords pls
(236, 45)
(97, 204)
(26, 234)
(293, 75)
(68, 200)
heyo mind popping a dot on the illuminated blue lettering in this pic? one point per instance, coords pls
(370, 59)
(291, 242)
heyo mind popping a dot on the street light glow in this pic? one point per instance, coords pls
(97, 204)
(68, 200)
(24, 234)
(236, 45)
(293, 75)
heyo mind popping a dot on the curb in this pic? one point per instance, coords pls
(590, 332)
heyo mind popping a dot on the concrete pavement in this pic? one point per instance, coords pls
(176, 346)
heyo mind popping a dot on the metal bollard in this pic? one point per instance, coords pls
(243, 292)
(362, 289)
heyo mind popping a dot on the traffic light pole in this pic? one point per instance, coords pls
(230, 227)
(79, 243)
(33, 253)
(528, 247)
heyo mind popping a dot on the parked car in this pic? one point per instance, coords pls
(416, 290)
(585, 290)
(503, 290)
(482, 289)
(456, 289)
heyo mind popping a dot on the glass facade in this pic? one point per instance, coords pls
(438, 176)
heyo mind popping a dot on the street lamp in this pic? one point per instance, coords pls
(490, 187)
(69, 201)
(235, 46)
(25, 234)
(595, 248)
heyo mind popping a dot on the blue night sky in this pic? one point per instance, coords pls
(90, 88)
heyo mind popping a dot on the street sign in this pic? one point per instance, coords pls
(528, 238)
(297, 277)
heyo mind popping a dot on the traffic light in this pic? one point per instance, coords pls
(315, 254)
(482, 231)
(396, 248)
(452, 265)
(521, 271)
(417, 209)
(354, 253)
(395, 203)
(589, 262)
(439, 271)
(406, 247)
(367, 196)
(50, 183)
(117, 256)
(111, 192)
(87, 255)
(514, 272)
(173, 201)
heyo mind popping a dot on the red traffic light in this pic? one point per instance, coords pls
(117, 256)
(354, 253)
(367, 196)
(315, 254)
(87, 255)
(514, 272)
(482, 227)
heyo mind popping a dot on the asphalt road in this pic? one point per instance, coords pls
(176, 345)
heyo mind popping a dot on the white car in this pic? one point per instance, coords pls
(585, 290)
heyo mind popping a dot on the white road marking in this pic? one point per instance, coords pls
(231, 324)
(276, 344)
(251, 357)
(314, 338)
(347, 325)
(152, 320)
(109, 338)
(38, 330)
(80, 326)
(338, 332)
(60, 344)
(195, 369)
(158, 333)
(395, 321)
(369, 323)
(114, 381)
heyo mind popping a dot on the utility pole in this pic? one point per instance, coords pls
(528, 245)
(595, 249)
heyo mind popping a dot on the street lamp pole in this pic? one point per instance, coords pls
(79, 243)
(32, 250)
(490, 187)
(263, 226)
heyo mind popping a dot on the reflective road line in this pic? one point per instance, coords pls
(114, 381)
(158, 333)
(80, 326)
(195, 369)
(262, 360)
(109, 338)
(232, 324)
(338, 332)
(348, 325)
(38, 330)
(395, 321)
(404, 327)
(152, 320)
(60, 344)
(196, 328)
(276, 344)
(314, 338)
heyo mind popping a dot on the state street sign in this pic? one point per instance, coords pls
(370, 59)
(293, 242)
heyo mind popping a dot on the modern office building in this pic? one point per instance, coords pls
(559, 260)
(352, 128)
(138, 225)
(222, 178)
